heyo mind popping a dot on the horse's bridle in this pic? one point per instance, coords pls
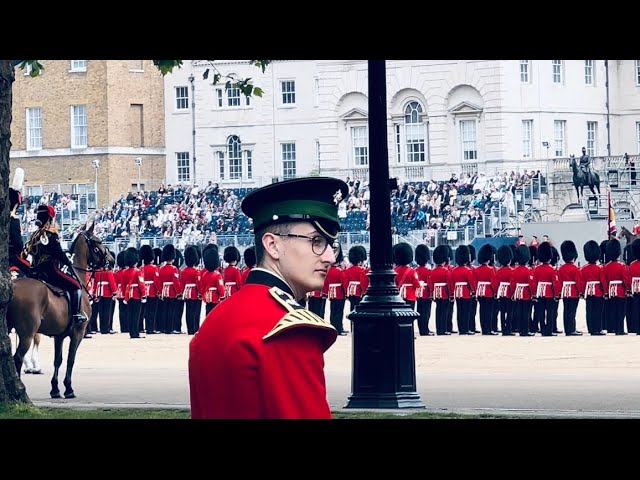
(96, 260)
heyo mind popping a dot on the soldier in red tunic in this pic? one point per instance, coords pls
(485, 275)
(354, 276)
(546, 290)
(191, 290)
(135, 291)
(423, 294)
(334, 286)
(260, 354)
(591, 287)
(632, 283)
(406, 277)
(211, 281)
(231, 275)
(152, 282)
(568, 275)
(464, 288)
(441, 286)
(614, 272)
(521, 290)
(502, 289)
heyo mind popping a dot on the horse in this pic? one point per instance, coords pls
(37, 308)
(627, 235)
(580, 180)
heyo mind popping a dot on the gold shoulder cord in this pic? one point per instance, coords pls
(296, 314)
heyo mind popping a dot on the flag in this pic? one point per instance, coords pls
(612, 216)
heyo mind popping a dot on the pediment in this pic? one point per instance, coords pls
(465, 107)
(354, 114)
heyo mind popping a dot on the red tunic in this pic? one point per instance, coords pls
(614, 273)
(260, 355)
(632, 278)
(105, 284)
(151, 280)
(169, 281)
(522, 283)
(485, 278)
(591, 280)
(212, 286)
(352, 278)
(545, 282)
(440, 283)
(190, 281)
(502, 282)
(133, 284)
(568, 275)
(232, 278)
(423, 277)
(464, 282)
(333, 283)
(407, 281)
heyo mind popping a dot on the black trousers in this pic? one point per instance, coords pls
(423, 306)
(317, 305)
(463, 313)
(336, 313)
(505, 309)
(192, 315)
(544, 312)
(122, 315)
(632, 322)
(443, 307)
(166, 313)
(354, 301)
(473, 312)
(105, 309)
(450, 317)
(178, 312)
(134, 308)
(93, 321)
(635, 313)
(522, 315)
(487, 310)
(208, 307)
(149, 313)
(615, 305)
(570, 307)
(594, 307)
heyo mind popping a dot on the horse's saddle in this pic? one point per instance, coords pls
(57, 291)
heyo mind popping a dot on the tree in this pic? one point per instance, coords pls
(12, 390)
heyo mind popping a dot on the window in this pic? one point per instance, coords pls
(288, 88)
(78, 126)
(233, 97)
(249, 164)
(221, 165)
(527, 129)
(78, 65)
(592, 134)
(588, 72)
(182, 98)
(557, 71)
(219, 95)
(34, 128)
(414, 133)
(637, 72)
(288, 160)
(559, 137)
(524, 71)
(316, 97)
(468, 138)
(398, 144)
(234, 151)
(184, 166)
(136, 124)
(360, 145)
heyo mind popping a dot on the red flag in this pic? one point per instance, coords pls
(612, 216)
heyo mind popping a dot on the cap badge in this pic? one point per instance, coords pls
(337, 197)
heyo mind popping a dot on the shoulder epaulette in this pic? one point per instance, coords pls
(296, 315)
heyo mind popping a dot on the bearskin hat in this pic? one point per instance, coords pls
(250, 256)
(635, 249)
(355, 255)
(231, 254)
(423, 254)
(544, 252)
(485, 254)
(505, 255)
(208, 245)
(402, 253)
(472, 253)
(591, 251)
(603, 249)
(179, 258)
(14, 198)
(146, 254)
(191, 256)
(339, 255)
(198, 252)
(211, 257)
(168, 252)
(450, 253)
(533, 254)
(613, 250)
(568, 250)
(555, 256)
(120, 260)
(112, 259)
(523, 255)
(157, 255)
(463, 256)
(513, 249)
(440, 254)
(131, 257)
(627, 254)
(363, 252)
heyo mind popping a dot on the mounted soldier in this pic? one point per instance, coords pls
(585, 166)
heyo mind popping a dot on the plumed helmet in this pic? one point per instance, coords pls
(423, 254)
(485, 254)
(555, 256)
(157, 255)
(504, 255)
(544, 252)
(146, 254)
(355, 255)
(363, 252)
(472, 253)
(231, 254)
(463, 256)
(402, 253)
(120, 261)
(211, 257)
(614, 250)
(635, 249)
(513, 249)
(603, 249)
(168, 252)
(191, 256)
(131, 257)
(591, 251)
(15, 195)
(250, 256)
(440, 254)
(523, 255)
(568, 250)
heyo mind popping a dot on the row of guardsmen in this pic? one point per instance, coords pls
(519, 288)
(154, 290)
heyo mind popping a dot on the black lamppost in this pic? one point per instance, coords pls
(384, 367)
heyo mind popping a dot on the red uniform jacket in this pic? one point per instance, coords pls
(245, 274)
(212, 286)
(545, 282)
(169, 280)
(333, 284)
(315, 294)
(614, 273)
(485, 279)
(151, 280)
(190, 281)
(591, 280)
(440, 283)
(133, 284)
(407, 281)
(568, 276)
(464, 282)
(522, 283)
(232, 278)
(353, 281)
(260, 355)
(117, 276)
(502, 282)
(104, 284)
(632, 279)
(423, 274)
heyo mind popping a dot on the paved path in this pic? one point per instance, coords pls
(541, 376)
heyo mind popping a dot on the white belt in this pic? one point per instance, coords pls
(420, 290)
(459, 289)
(208, 296)
(437, 290)
(503, 289)
(482, 286)
(635, 285)
(166, 286)
(187, 290)
(566, 289)
(333, 290)
(100, 291)
(403, 289)
(352, 289)
(227, 288)
(519, 293)
(131, 287)
(613, 287)
(542, 288)
(590, 288)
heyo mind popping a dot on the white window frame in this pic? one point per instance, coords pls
(415, 134)
(525, 71)
(183, 167)
(360, 145)
(592, 137)
(469, 139)
(226, 99)
(79, 127)
(288, 93)
(182, 98)
(527, 138)
(557, 71)
(234, 154)
(221, 169)
(637, 72)
(248, 155)
(78, 66)
(234, 99)
(589, 73)
(559, 137)
(34, 128)
(288, 152)
(398, 139)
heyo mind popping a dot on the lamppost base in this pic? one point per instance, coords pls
(385, 400)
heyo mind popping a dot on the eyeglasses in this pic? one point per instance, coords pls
(318, 243)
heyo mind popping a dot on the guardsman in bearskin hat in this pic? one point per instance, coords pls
(473, 311)
(231, 275)
(354, 275)
(502, 287)
(135, 290)
(441, 286)
(591, 283)
(262, 328)
(169, 279)
(568, 277)
(18, 265)
(122, 307)
(211, 278)
(614, 273)
(534, 326)
(450, 265)
(333, 288)
(485, 278)
(464, 288)
(105, 291)
(152, 282)
(423, 294)
(249, 256)
(546, 288)
(632, 284)
(406, 278)
(555, 259)
(522, 288)
(631, 321)
(191, 289)
(157, 256)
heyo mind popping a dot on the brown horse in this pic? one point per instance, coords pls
(35, 308)
(627, 235)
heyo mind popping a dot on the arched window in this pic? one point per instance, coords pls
(414, 133)
(234, 153)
